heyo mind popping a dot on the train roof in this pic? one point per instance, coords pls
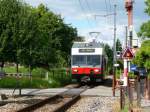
(87, 45)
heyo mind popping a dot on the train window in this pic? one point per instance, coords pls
(93, 60)
(79, 60)
(86, 60)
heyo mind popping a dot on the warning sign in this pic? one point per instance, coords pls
(127, 54)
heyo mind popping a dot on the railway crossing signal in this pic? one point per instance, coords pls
(128, 54)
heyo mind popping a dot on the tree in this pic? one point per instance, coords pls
(147, 10)
(58, 35)
(142, 58)
(9, 29)
(145, 28)
(33, 37)
(118, 45)
(109, 53)
(79, 39)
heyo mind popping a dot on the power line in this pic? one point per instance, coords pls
(82, 8)
(110, 9)
(109, 5)
(91, 11)
(107, 11)
(87, 3)
(106, 6)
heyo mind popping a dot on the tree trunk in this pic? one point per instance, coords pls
(17, 69)
(30, 74)
(2, 65)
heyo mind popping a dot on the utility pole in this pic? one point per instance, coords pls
(114, 46)
(114, 51)
(129, 9)
(126, 38)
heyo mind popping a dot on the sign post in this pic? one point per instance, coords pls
(127, 56)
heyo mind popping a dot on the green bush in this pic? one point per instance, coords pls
(39, 72)
(131, 75)
(118, 73)
(60, 75)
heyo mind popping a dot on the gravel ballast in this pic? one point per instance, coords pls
(93, 104)
(13, 104)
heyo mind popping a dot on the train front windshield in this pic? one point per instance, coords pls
(86, 60)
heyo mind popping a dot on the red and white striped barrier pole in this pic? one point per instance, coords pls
(125, 72)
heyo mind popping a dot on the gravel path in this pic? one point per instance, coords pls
(93, 104)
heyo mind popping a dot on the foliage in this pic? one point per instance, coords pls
(131, 75)
(142, 58)
(145, 28)
(118, 73)
(120, 62)
(9, 24)
(109, 53)
(118, 45)
(61, 76)
(147, 10)
(80, 39)
(34, 37)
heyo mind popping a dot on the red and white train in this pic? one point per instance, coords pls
(88, 60)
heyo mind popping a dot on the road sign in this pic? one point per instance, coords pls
(127, 54)
(133, 68)
(116, 65)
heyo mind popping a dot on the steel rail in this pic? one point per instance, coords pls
(73, 99)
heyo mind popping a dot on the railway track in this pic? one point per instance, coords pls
(56, 103)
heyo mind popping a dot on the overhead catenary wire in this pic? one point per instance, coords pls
(88, 5)
(91, 11)
(84, 12)
(86, 9)
(108, 10)
(109, 6)
(106, 7)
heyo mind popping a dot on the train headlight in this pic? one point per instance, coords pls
(75, 70)
(96, 70)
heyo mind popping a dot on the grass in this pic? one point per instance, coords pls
(12, 69)
(116, 107)
(55, 78)
(11, 82)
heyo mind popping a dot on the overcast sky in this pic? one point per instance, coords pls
(80, 14)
